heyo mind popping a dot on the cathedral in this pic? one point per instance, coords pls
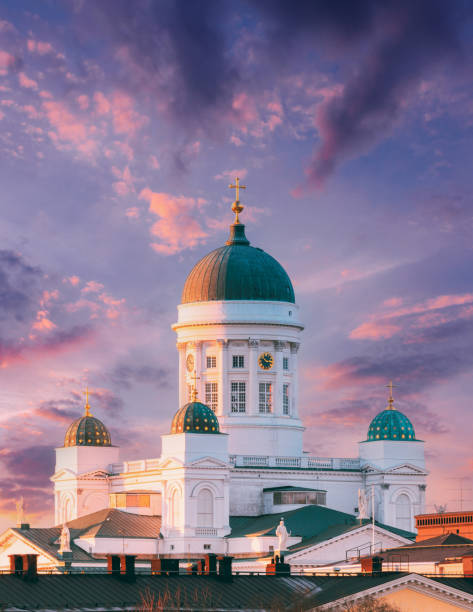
(232, 466)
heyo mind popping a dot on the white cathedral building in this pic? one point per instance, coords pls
(233, 462)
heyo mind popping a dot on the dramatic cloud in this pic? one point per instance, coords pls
(176, 228)
(126, 376)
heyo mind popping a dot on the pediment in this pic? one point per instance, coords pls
(171, 463)
(63, 474)
(94, 475)
(209, 462)
(406, 468)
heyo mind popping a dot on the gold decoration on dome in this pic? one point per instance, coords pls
(194, 387)
(236, 206)
(87, 405)
(390, 400)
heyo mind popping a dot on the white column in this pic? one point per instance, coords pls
(277, 392)
(223, 386)
(294, 408)
(253, 377)
(181, 347)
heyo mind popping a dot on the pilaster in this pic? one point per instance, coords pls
(277, 394)
(182, 390)
(294, 407)
(253, 376)
(223, 390)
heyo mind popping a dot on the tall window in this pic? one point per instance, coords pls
(238, 361)
(211, 361)
(265, 397)
(211, 395)
(238, 399)
(285, 363)
(205, 508)
(403, 512)
(285, 399)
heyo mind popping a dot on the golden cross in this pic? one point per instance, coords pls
(194, 390)
(390, 387)
(237, 188)
(87, 407)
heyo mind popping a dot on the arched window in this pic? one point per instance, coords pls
(66, 510)
(175, 508)
(205, 509)
(403, 512)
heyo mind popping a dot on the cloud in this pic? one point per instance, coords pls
(40, 47)
(229, 175)
(432, 313)
(126, 376)
(176, 229)
(26, 82)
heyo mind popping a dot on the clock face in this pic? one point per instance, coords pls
(265, 361)
(190, 362)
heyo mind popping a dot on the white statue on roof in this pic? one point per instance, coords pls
(282, 534)
(65, 540)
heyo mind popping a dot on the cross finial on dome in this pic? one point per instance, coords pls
(194, 388)
(87, 406)
(391, 400)
(236, 206)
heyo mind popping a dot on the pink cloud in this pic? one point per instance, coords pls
(153, 162)
(374, 330)
(42, 322)
(26, 81)
(37, 46)
(74, 280)
(31, 111)
(83, 102)
(2, 115)
(430, 313)
(7, 61)
(102, 105)
(339, 375)
(133, 212)
(125, 119)
(176, 228)
(92, 287)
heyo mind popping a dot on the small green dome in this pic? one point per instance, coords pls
(238, 271)
(87, 431)
(391, 425)
(195, 417)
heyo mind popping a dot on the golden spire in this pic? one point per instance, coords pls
(194, 388)
(87, 406)
(390, 400)
(236, 206)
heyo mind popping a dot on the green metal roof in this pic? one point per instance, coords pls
(87, 431)
(238, 271)
(195, 417)
(390, 424)
(312, 523)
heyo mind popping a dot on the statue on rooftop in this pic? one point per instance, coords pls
(65, 540)
(363, 505)
(282, 534)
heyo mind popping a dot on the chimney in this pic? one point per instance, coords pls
(211, 564)
(372, 565)
(278, 567)
(165, 567)
(122, 565)
(225, 568)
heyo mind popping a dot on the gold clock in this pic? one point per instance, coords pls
(265, 361)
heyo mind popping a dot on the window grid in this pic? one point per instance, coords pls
(238, 361)
(211, 395)
(285, 363)
(211, 361)
(285, 399)
(265, 397)
(238, 397)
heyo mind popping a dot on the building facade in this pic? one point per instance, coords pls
(235, 445)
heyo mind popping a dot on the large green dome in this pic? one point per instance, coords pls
(238, 271)
(390, 424)
(195, 417)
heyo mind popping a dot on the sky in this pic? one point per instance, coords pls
(121, 126)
